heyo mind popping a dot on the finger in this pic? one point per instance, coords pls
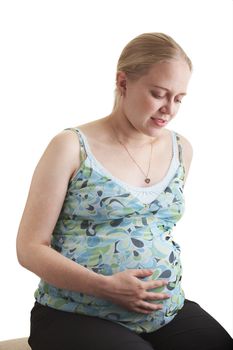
(154, 284)
(141, 272)
(145, 307)
(156, 296)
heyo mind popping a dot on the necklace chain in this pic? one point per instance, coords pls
(147, 179)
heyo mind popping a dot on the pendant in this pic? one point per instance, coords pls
(147, 180)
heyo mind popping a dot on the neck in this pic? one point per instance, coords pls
(120, 127)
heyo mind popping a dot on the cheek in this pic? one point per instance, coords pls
(152, 104)
(141, 104)
(146, 106)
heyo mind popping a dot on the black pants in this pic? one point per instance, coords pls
(192, 328)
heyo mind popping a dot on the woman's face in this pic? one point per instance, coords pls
(150, 102)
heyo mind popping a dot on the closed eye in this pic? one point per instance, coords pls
(157, 95)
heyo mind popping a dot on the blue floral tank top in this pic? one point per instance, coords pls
(106, 229)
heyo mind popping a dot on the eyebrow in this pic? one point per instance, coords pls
(163, 88)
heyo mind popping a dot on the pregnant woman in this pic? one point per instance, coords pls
(97, 225)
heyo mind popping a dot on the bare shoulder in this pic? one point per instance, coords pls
(66, 145)
(61, 156)
(65, 140)
(187, 152)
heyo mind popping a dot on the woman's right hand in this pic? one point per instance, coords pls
(129, 291)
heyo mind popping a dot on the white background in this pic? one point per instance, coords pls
(57, 69)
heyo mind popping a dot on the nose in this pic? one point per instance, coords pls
(168, 108)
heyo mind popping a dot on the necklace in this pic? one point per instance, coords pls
(147, 179)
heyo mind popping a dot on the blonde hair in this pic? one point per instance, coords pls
(145, 50)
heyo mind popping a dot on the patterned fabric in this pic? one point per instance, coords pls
(106, 229)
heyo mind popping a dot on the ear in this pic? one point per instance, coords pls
(121, 80)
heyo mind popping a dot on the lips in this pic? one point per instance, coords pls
(159, 121)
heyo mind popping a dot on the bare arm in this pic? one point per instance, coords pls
(45, 199)
(46, 195)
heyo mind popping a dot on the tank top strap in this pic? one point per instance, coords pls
(180, 149)
(83, 153)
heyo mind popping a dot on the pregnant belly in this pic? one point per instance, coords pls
(160, 255)
(121, 252)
